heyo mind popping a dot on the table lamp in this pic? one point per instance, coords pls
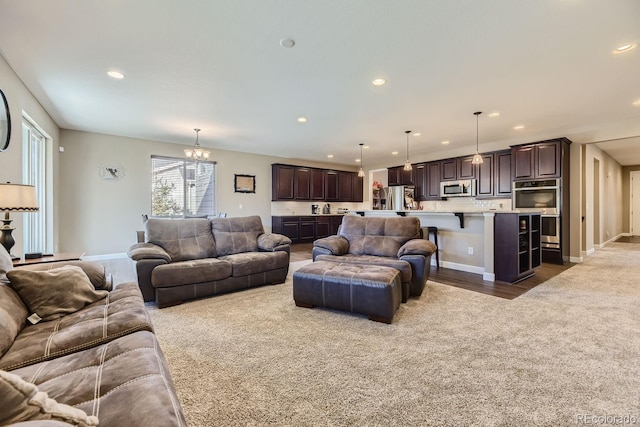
(16, 198)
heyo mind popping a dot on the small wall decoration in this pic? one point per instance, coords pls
(245, 183)
(5, 123)
(113, 172)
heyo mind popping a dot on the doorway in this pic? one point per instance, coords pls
(634, 214)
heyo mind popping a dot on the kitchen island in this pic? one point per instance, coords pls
(466, 239)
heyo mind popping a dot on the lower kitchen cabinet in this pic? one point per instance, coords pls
(301, 229)
(517, 248)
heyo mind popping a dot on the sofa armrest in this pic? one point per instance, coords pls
(271, 241)
(417, 247)
(333, 245)
(140, 251)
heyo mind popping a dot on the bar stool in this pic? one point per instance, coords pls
(426, 231)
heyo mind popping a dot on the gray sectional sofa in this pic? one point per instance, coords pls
(183, 259)
(390, 242)
(93, 358)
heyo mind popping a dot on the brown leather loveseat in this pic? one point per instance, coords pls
(392, 242)
(190, 258)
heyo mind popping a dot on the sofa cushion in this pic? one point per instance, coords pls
(236, 235)
(404, 267)
(378, 236)
(125, 382)
(120, 313)
(13, 314)
(247, 263)
(22, 401)
(190, 272)
(183, 239)
(54, 293)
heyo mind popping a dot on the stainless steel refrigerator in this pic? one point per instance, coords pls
(400, 197)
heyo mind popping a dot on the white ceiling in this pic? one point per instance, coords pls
(218, 65)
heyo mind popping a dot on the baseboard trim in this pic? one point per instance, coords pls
(469, 269)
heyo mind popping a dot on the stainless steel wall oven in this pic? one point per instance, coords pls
(542, 196)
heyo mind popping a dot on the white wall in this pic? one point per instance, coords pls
(102, 217)
(21, 100)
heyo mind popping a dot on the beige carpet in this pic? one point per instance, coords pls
(562, 354)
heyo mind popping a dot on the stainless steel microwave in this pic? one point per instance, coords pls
(465, 188)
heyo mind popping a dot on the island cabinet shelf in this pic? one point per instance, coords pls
(516, 246)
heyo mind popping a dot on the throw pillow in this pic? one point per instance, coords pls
(54, 293)
(22, 401)
(6, 264)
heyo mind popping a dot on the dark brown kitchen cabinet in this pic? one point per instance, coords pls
(302, 184)
(317, 184)
(306, 228)
(358, 188)
(457, 168)
(517, 246)
(449, 169)
(420, 181)
(485, 185)
(465, 169)
(398, 176)
(433, 179)
(282, 178)
(345, 186)
(502, 169)
(330, 185)
(540, 160)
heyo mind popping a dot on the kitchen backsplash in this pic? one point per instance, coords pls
(304, 208)
(466, 204)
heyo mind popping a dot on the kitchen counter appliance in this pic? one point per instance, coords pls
(463, 188)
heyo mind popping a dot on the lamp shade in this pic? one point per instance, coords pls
(18, 198)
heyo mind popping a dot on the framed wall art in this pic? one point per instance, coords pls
(244, 183)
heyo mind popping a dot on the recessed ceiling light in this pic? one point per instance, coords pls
(624, 48)
(518, 127)
(288, 43)
(494, 114)
(302, 120)
(115, 74)
(445, 142)
(330, 156)
(395, 153)
(636, 102)
(365, 146)
(357, 160)
(378, 82)
(416, 134)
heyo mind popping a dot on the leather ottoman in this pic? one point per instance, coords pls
(372, 290)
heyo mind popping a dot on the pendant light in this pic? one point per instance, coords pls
(197, 153)
(361, 171)
(407, 165)
(477, 158)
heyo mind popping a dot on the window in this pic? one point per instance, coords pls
(37, 227)
(182, 187)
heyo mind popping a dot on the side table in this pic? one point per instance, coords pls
(62, 256)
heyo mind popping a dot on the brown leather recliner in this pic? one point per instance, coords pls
(393, 242)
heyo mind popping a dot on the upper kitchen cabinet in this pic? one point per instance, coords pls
(540, 160)
(305, 183)
(282, 177)
(302, 183)
(317, 184)
(502, 171)
(433, 174)
(420, 181)
(457, 168)
(485, 174)
(398, 176)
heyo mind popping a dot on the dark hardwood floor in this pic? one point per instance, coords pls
(469, 281)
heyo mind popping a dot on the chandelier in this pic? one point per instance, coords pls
(197, 153)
